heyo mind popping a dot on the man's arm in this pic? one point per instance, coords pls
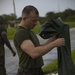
(34, 52)
(4, 36)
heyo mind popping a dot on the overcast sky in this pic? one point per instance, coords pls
(44, 6)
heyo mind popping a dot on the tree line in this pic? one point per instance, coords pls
(66, 15)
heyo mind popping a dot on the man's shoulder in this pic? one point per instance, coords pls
(21, 33)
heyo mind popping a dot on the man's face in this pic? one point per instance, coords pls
(32, 20)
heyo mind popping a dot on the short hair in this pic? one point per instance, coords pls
(26, 11)
(1, 20)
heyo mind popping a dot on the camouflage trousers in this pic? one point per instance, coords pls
(2, 65)
(30, 72)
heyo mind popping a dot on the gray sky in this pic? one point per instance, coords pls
(44, 6)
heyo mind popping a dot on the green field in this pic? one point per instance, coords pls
(71, 24)
(10, 32)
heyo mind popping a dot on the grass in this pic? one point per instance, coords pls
(71, 24)
(37, 29)
(10, 32)
(52, 66)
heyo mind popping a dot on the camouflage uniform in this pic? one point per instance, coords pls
(2, 53)
(3, 40)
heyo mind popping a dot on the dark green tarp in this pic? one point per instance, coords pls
(55, 27)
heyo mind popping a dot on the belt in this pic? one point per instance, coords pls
(29, 70)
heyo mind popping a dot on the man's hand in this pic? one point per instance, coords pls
(14, 53)
(59, 42)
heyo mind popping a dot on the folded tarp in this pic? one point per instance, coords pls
(56, 27)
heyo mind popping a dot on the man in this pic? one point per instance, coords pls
(29, 50)
(3, 40)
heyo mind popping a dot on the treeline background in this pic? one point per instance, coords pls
(67, 15)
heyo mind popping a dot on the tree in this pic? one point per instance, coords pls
(51, 15)
(7, 18)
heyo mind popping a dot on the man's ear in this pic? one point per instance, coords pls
(24, 18)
